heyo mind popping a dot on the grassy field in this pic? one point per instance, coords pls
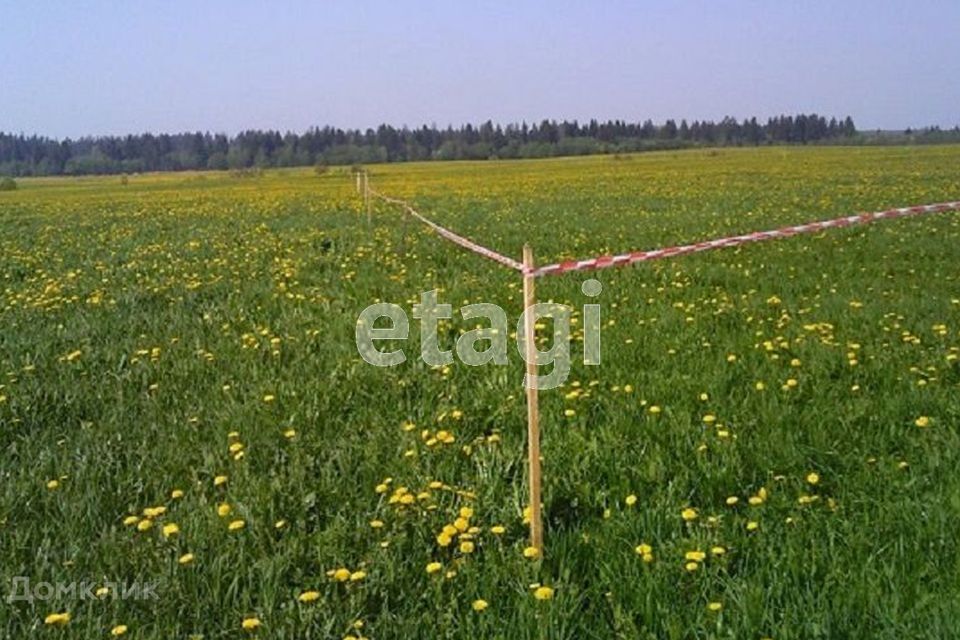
(769, 448)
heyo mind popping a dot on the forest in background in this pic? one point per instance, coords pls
(22, 155)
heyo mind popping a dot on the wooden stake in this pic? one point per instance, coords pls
(533, 407)
(366, 193)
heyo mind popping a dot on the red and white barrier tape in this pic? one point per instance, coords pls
(451, 236)
(623, 259)
(603, 262)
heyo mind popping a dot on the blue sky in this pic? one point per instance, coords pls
(69, 68)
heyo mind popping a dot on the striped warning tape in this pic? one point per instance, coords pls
(623, 259)
(470, 245)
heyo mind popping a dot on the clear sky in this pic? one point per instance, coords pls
(75, 67)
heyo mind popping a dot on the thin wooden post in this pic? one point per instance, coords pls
(533, 407)
(366, 194)
(403, 233)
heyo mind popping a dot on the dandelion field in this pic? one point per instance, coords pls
(767, 450)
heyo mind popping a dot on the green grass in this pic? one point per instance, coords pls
(191, 298)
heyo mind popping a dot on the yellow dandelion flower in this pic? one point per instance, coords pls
(922, 422)
(480, 605)
(434, 567)
(341, 575)
(308, 596)
(144, 525)
(467, 547)
(53, 484)
(176, 494)
(497, 530)
(118, 630)
(813, 477)
(236, 525)
(543, 593)
(715, 606)
(531, 552)
(219, 480)
(186, 559)
(250, 624)
(224, 509)
(753, 525)
(643, 549)
(154, 512)
(630, 500)
(689, 514)
(357, 576)
(170, 530)
(57, 619)
(129, 521)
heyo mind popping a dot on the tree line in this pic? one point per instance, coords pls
(22, 155)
